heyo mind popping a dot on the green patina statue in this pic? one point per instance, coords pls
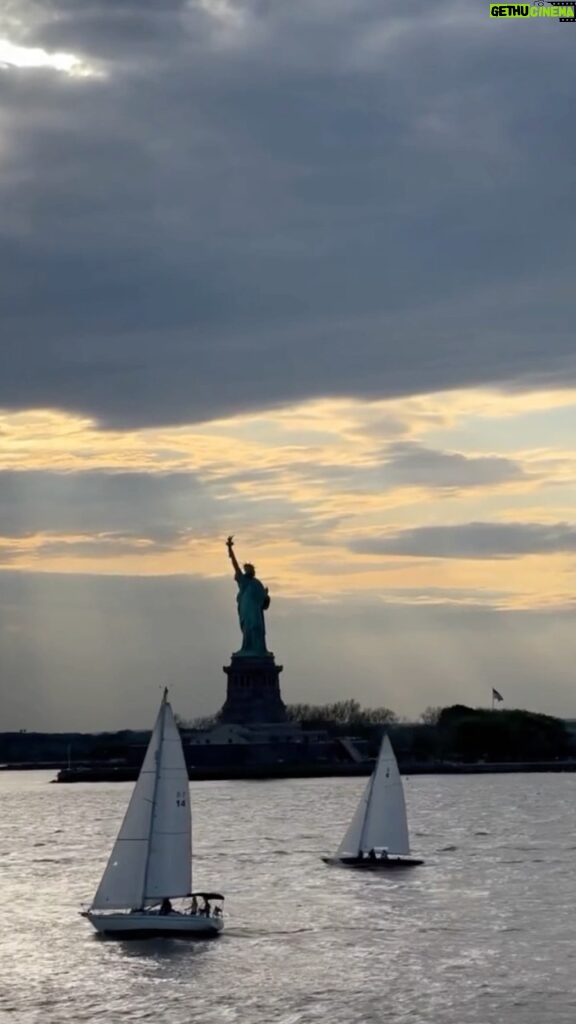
(253, 600)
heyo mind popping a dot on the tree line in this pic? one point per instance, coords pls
(457, 734)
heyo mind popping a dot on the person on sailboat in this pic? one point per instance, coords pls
(165, 907)
(372, 854)
(194, 906)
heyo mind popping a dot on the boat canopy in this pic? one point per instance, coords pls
(207, 895)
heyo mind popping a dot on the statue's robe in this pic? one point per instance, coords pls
(252, 601)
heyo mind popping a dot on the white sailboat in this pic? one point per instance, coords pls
(151, 861)
(377, 837)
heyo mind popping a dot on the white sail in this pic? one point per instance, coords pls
(151, 857)
(350, 845)
(169, 870)
(380, 818)
(385, 823)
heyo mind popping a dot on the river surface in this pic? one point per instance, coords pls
(484, 933)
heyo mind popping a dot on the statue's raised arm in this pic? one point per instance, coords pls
(253, 600)
(231, 555)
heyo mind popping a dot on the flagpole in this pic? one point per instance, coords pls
(496, 696)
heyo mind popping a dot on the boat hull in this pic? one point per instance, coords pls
(385, 864)
(142, 925)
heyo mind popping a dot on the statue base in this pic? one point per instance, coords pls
(253, 691)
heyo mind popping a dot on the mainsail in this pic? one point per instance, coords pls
(380, 818)
(152, 855)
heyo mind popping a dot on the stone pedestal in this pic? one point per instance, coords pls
(253, 692)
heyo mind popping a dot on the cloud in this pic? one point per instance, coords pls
(474, 540)
(105, 546)
(405, 465)
(155, 506)
(416, 465)
(29, 57)
(254, 204)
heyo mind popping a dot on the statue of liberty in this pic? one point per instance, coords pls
(253, 600)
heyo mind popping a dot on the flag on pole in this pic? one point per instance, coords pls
(496, 695)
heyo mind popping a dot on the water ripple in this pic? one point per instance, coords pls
(483, 934)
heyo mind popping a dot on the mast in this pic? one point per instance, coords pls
(155, 794)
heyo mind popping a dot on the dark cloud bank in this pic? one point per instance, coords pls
(329, 200)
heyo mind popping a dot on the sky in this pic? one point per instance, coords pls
(304, 273)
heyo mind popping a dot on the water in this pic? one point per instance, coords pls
(484, 933)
